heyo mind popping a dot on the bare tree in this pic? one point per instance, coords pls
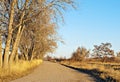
(17, 15)
(6, 54)
(103, 50)
(80, 54)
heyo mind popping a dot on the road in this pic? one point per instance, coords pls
(54, 72)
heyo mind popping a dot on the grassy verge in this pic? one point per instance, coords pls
(19, 69)
(104, 71)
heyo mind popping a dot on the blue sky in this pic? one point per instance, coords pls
(94, 22)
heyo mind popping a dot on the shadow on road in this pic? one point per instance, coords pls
(93, 73)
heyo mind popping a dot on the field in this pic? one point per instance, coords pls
(105, 71)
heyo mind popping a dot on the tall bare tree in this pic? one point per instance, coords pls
(17, 16)
(1, 56)
(10, 30)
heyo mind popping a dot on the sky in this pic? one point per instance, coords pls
(94, 22)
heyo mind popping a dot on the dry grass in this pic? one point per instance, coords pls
(105, 69)
(18, 69)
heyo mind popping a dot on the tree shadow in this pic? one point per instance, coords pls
(93, 73)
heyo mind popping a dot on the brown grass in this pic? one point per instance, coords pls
(18, 69)
(105, 70)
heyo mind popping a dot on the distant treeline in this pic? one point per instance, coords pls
(102, 52)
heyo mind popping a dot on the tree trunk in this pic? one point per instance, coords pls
(1, 56)
(7, 47)
(16, 57)
(30, 53)
(16, 44)
(26, 56)
(17, 40)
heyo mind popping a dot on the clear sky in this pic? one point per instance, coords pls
(94, 22)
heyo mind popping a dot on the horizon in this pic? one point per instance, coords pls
(93, 23)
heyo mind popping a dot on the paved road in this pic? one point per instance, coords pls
(53, 72)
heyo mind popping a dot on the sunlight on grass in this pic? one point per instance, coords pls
(19, 69)
(105, 69)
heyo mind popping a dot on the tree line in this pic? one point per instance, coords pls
(28, 28)
(102, 51)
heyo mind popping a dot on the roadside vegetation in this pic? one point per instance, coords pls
(28, 31)
(19, 69)
(101, 63)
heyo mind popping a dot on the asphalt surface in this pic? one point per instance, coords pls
(54, 72)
